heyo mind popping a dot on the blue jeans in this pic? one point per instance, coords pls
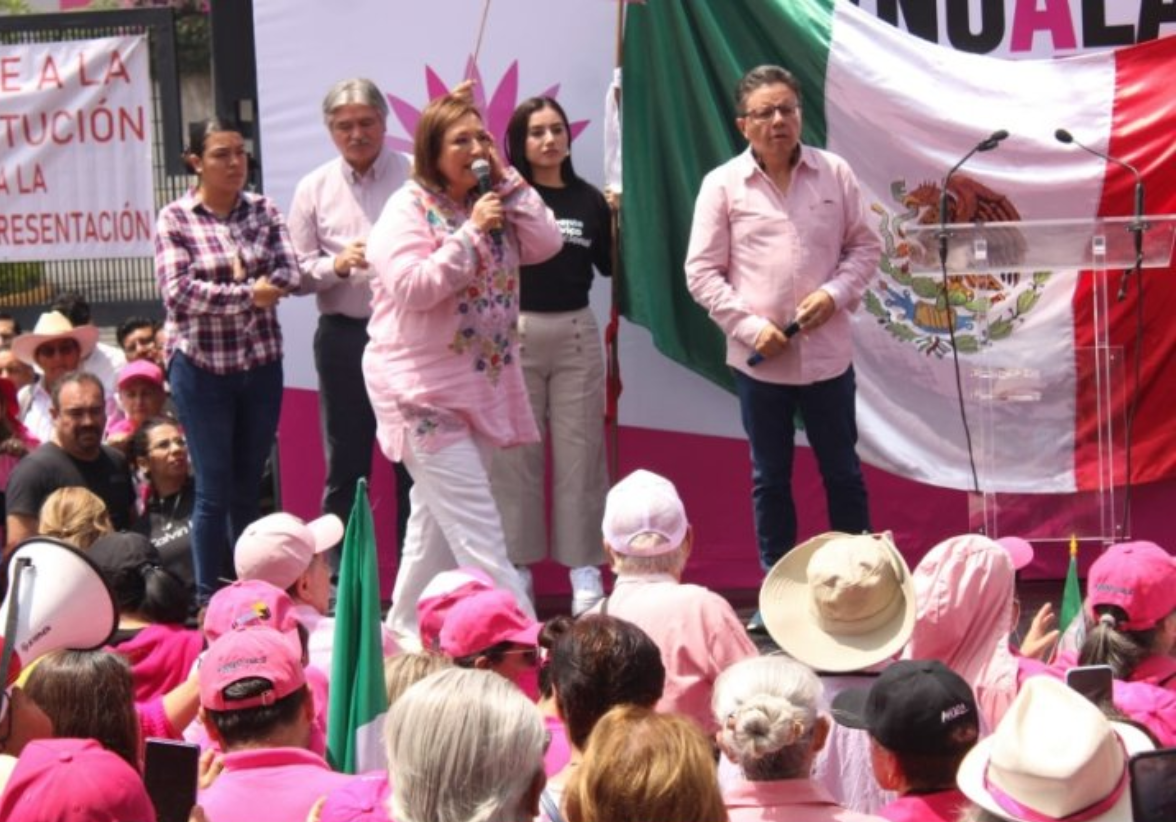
(828, 411)
(230, 421)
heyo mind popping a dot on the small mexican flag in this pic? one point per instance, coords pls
(1072, 593)
(358, 699)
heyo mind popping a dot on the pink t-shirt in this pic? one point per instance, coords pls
(559, 752)
(696, 630)
(363, 799)
(274, 784)
(786, 800)
(161, 657)
(943, 806)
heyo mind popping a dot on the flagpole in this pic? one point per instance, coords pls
(612, 333)
(481, 30)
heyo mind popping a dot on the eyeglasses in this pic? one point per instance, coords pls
(167, 445)
(57, 349)
(530, 656)
(768, 113)
(347, 126)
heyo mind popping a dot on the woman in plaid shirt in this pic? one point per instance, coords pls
(223, 259)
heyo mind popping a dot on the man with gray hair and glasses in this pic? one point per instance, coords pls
(332, 214)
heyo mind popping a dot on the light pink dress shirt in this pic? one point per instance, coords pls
(786, 800)
(333, 207)
(274, 784)
(442, 364)
(755, 253)
(696, 630)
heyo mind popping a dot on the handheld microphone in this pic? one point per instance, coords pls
(987, 144)
(1137, 226)
(790, 331)
(481, 169)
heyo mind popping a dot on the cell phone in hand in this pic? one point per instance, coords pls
(1095, 682)
(170, 774)
(1153, 786)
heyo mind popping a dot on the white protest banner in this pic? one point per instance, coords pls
(75, 150)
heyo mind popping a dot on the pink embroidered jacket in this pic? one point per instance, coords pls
(442, 362)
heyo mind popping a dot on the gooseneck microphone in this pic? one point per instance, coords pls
(1137, 226)
(481, 169)
(987, 144)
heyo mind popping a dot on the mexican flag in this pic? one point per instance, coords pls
(358, 699)
(902, 111)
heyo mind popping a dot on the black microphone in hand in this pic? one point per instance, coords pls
(481, 169)
(1137, 224)
(987, 144)
(790, 331)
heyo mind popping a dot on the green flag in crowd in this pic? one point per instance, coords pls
(358, 699)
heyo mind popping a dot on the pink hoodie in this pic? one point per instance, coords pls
(964, 591)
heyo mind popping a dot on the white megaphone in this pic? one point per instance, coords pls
(56, 599)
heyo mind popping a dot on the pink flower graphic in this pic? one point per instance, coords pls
(497, 111)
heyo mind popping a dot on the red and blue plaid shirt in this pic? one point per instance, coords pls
(210, 315)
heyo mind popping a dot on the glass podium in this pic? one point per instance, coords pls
(995, 387)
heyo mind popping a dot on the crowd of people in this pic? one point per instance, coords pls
(455, 333)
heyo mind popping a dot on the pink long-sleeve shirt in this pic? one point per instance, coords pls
(756, 252)
(333, 207)
(442, 363)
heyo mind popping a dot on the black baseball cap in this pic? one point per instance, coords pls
(914, 707)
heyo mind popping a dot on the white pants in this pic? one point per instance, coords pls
(563, 364)
(454, 522)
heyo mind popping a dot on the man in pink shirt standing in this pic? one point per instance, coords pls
(255, 704)
(780, 254)
(647, 540)
(332, 214)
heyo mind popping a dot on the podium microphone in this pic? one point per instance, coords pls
(1137, 226)
(987, 144)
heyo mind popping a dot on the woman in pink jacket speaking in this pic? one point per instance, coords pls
(442, 365)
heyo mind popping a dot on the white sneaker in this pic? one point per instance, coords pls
(524, 572)
(587, 588)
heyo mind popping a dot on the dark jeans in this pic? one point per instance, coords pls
(827, 409)
(229, 421)
(348, 422)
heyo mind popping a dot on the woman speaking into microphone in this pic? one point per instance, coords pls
(442, 365)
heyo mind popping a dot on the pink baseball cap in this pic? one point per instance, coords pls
(1140, 578)
(484, 619)
(644, 503)
(249, 653)
(279, 548)
(443, 592)
(73, 780)
(1020, 551)
(252, 604)
(140, 370)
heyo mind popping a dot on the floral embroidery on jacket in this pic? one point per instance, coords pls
(487, 308)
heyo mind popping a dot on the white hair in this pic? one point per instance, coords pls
(463, 746)
(355, 91)
(672, 562)
(765, 706)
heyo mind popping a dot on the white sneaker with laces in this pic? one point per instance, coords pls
(587, 588)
